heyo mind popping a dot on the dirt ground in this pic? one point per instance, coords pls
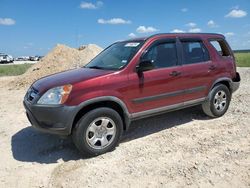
(178, 149)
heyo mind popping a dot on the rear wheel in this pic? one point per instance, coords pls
(218, 101)
(98, 131)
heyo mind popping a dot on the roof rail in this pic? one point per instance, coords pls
(159, 34)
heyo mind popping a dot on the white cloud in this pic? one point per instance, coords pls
(194, 30)
(184, 10)
(143, 29)
(132, 35)
(191, 24)
(114, 21)
(211, 24)
(236, 13)
(7, 21)
(85, 5)
(229, 34)
(88, 5)
(177, 31)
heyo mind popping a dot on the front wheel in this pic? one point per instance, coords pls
(218, 101)
(98, 131)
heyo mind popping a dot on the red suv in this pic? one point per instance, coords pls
(130, 80)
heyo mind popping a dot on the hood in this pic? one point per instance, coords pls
(67, 77)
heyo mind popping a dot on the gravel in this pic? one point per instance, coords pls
(178, 149)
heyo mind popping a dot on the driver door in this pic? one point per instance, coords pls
(161, 86)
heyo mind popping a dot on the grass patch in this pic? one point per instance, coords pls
(242, 59)
(13, 70)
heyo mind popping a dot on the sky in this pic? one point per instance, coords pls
(34, 27)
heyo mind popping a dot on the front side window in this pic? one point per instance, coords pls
(194, 52)
(162, 55)
(116, 56)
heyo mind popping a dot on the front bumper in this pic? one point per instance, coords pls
(51, 119)
(236, 82)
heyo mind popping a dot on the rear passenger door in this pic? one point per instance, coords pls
(197, 69)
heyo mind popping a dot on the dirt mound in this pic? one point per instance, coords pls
(58, 59)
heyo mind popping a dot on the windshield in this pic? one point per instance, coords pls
(116, 56)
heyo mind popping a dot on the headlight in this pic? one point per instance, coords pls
(57, 95)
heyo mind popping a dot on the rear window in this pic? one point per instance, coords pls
(221, 47)
(194, 52)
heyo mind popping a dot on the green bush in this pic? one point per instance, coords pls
(242, 59)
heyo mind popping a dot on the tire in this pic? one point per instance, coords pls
(218, 101)
(92, 129)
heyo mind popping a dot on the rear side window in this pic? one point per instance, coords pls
(221, 47)
(194, 52)
(162, 55)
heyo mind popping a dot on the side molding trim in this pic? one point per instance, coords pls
(169, 94)
(148, 113)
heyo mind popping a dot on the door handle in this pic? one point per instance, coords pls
(212, 67)
(175, 73)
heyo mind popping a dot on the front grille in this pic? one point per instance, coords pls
(32, 94)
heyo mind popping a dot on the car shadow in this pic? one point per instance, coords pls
(147, 126)
(29, 145)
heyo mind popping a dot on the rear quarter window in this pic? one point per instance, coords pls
(221, 47)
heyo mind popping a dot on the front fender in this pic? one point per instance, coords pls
(99, 99)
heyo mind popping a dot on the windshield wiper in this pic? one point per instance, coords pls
(95, 67)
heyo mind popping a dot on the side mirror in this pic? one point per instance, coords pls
(144, 65)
